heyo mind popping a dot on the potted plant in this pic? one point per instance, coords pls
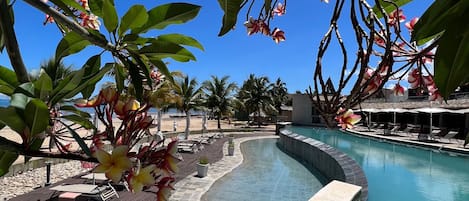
(230, 138)
(231, 148)
(202, 166)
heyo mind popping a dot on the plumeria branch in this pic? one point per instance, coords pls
(71, 24)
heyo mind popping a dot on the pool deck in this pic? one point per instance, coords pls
(193, 188)
(451, 146)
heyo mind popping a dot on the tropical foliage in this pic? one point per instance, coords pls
(219, 97)
(189, 98)
(256, 97)
(34, 103)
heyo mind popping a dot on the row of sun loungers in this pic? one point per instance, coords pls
(195, 144)
(416, 132)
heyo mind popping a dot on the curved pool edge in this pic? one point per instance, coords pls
(330, 162)
(192, 188)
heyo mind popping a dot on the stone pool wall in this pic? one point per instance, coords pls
(330, 162)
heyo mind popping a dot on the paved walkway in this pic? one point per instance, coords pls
(192, 187)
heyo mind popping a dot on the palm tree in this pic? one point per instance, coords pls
(56, 70)
(189, 98)
(279, 94)
(255, 94)
(164, 97)
(219, 96)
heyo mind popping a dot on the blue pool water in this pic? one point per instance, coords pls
(399, 172)
(265, 174)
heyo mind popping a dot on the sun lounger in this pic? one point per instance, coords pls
(450, 135)
(108, 193)
(192, 146)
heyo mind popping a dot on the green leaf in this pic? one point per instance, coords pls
(87, 82)
(96, 7)
(79, 140)
(72, 109)
(181, 40)
(435, 19)
(8, 81)
(43, 86)
(10, 118)
(66, 85)
(167, 14)
(36, 115)
(134, 39)
(67, 4)
(135, 17)
(388, 7)
(7, 158)
(231, 9)
(451, 59)
(119, 76)
(163, 49)
(267, 6)
(110, 17)
(136, 78)
(91, 67)
(71, 43)
(85, 122)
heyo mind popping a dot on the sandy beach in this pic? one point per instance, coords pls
(167, 125)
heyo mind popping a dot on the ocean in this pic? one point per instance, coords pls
(171, 111)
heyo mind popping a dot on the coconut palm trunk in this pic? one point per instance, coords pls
(188, 124)
(159, 116)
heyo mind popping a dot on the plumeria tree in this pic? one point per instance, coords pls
(437, 38)
(136, 55)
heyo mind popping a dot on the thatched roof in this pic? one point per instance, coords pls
(451, 104)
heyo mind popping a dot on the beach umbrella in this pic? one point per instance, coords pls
(396, 110)
(369, 110)
(431, 111)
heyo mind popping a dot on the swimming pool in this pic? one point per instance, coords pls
(265, 174)
(399, 172)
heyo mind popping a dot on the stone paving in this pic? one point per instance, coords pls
(192, 187)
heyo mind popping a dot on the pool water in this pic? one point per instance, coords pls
(400, 172)
(266, 173)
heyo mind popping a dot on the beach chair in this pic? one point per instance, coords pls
(438, 133)
(108, 193)
(450, 135)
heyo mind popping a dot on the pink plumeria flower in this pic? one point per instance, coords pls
(379, 39)
(414, 78)
(434, 94)
(252, 26)
(84, 4)
(398, 90)
(278, 35)
(347, 119)
(90, 21)
(428, 80)
(264, 28)
(279, 10)
(410, 24)
(396, 16)
(374, 84)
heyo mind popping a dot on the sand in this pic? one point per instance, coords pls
(167, 125)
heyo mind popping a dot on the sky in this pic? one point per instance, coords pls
(236, 54)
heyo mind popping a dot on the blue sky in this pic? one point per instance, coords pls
(235, 54)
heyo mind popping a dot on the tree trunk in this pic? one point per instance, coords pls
(218, 121)
(159, 116)
(259, 118)
(188, 124)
